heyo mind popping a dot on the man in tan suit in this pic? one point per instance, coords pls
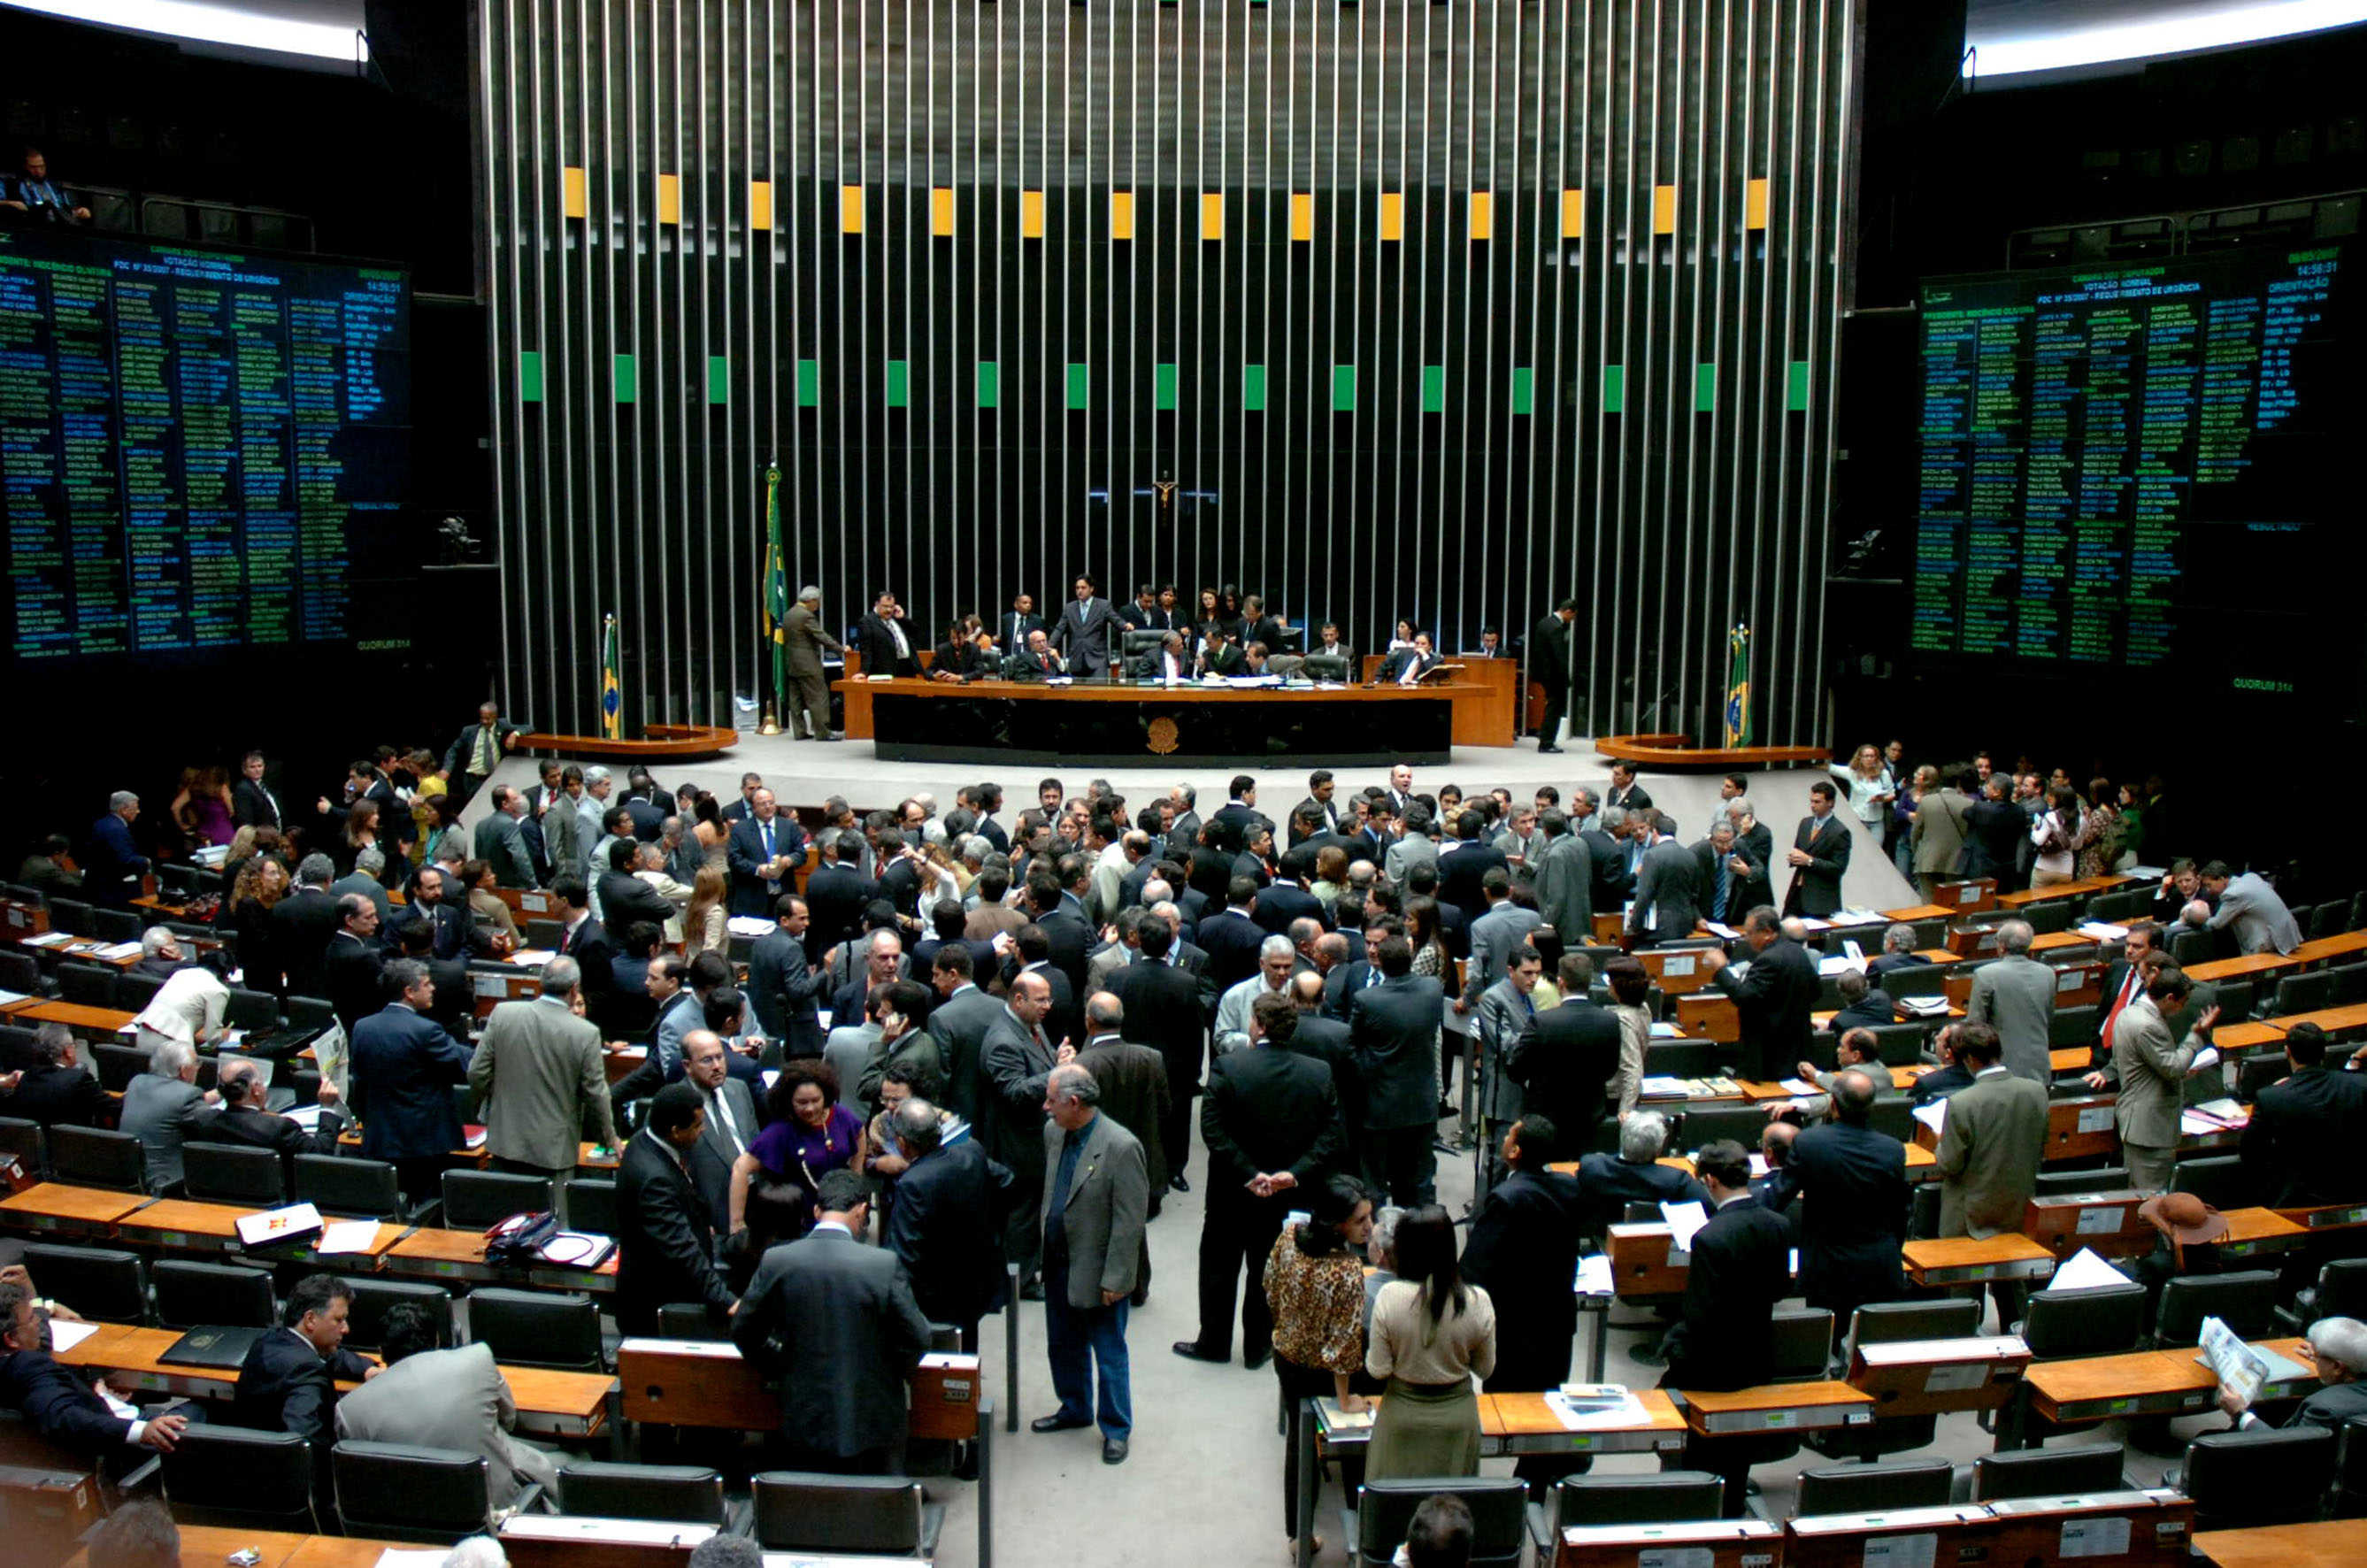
(1939, 834)
(2152, 1073)
(802, 630)
(538, 1079)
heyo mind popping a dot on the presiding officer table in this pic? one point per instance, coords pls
(1115, 725)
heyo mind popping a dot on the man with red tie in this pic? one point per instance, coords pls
(2124, 982)
(1038, 662)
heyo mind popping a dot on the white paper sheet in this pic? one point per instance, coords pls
(1628, 1412)
(1933, 1115)
(346, 1235)
(1594, 1277)
(66, 1335)
(1683, 1219)
(2086, 1271)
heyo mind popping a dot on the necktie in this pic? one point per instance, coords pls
(721, 1106)
(1718, 908)
(766, 829)
(2127, 993)
(484, 750)
(903, 649)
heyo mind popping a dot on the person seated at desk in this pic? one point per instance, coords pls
(32, 192)
(436, 1398)
(45, 870)
(1897, 950)
(2337, 1350)
(1612, 1182)
(160, 954)
(967, 652)
(1856, 1048)
(1951, 1076)
(1037, 661)
(287, 1382)
(811, 1134)
(835, 1323)
(1168, 661)
(163, 1105)
(1741, 1269)
(1409, 664)
(243, 1120)
(56, 1090)
(2304, 1131)
(1221, 654)
(1863, 1004)
(65, 1406)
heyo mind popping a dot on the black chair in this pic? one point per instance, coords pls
(73, 917)
(23, 1140)
(2065, 1183)
(2188, 948)
(117, 1065)
(2340, 1292)
(1680, 1059)
(2350, 1470)
(252, 1010)
(211, 1295)
(19, 1047)
(1892, 1113)
(1500, 1518)
(2073, 1026)
(1669, 1497)
(240, 1478)
(232, 1173)
(685, 1320)
(538, 1328)
(1870, 1488)
(366, 1319)
(1138, 641)
(2326, 919)
(1923, 1211)
(672, 1494)
(2220, 1181)
(2233, 998)
(21, 972)
(1710, 1123)
(116, 926)
(91, 1156)
(1328, 666)
(2350, 984)
(355, 1188)
(1916, 979)
(403, 1493)
(886, 1515)
(1899, 1045)
(135, 992)
(476, 1199)
(306, 1013)
(102, 1285)
(2245, 1302)
(2066, 1471)
(1804, 1344)
(2265, 1476)
(1889, 1322)
(2295, 994)
(86, 984)
(592, 1206)
(2104, 1321)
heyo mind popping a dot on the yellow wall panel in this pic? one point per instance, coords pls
(850, 210)
(1664, 210)
(1031, 214)
(1392, 215)
(760, 204)
(571, 193)
(1212, 216)
(1121, 214)
(1754, 205)
(941, 211)
(1483, 214)
(1302, 216)
(669, 199)
(1573, 214)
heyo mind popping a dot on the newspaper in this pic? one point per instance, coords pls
(2235, 1363)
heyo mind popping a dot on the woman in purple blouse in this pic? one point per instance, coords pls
(809, 1133)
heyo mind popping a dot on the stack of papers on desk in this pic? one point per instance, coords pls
(307, 1117)
(2194, 1123)
(10, 998)
(346, 1235)
(1720, 929)
(534, 958)
(2104, 930)
(1799, 1086)
(66, 1335)
(1810, 922)
(1684, 1220)
(1844, 965)
(1594, 1277)
(1335, 1419)
(1934, 1115)
(213, 855)
(1924, 1007)
(1660, 1088)
(1596, 1415)
(49, 939)
(1666, 1031)
(2226, 1112)
(1712, 1088)
(118, 950)
(749, 925)
(1858, 917)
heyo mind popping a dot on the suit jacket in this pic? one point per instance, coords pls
(785, 993)
(1016, 1067)
(877, 646)
(589, 944)
(161, 1112)
(301, 925)
(1548, 651)
(1990, 1150)
(1136, 1092)
(625, 898)
(1609, 862)
(58, 1097)
(1084, 633)
(449, 1399)
(2016, 997)
(539, 1085)
(1107, 1205)
(253, 805)
(2263, 922)
(947, 1228)
(351, 966)
(836, 894)
(1875, 1010)
(453, 933)
(1565, 889)
(1757, 846)
(112, 866)
(1940, 831)
(1395, 667)
(1611, 1184)
(1855, 1220)
(666, 1241)
(1495, 937)
(1162, 1011)
(1523, 1250)
(1816, 886)
(1460, 870)
(807, 637)
(1394, 1027)
(834, 1323)
(958, 1025)
(745, 852)
(2301, 1141)
(1774, 1002)
(1564, 1060)
(404, 1067)
(1667, 889)
(462, 753)
(1738, 883)
(712, 1156)
(1741, 1269)
(1011, 630)
(1407, 852)
(1230, 939)
(2152, 1073)
(267, 1129)
(1269, 1108)
(496, 841)
(1995, 830)
(285, 1385)
(58, 1401)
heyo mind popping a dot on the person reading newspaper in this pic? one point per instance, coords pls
(2336, 1349)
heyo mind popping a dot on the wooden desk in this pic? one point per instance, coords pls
(2107, 1222)
(2335, 949)
(1938, 955)
(2096, 1387)
(1640, 1267)
(1777, 1407)
(1966, 895)
(1933, 1376)
(2258, 1233)
(2071, 1059)
(2060, 942)
(575, 1540)
(1711, 1016)
(1964, 1260)
(2139, 1530)
(210, 1546)
(431, 1253)
(88, 1023)
(2249, 1036)
(1937, 1535)
(1524, 1423)
(185, 1226)
(2333, 1021)
(1914, 912)
(1709, 1543)
(75, 1210)
(1490, 718)
(1678, 972)
(2082, 1127)
(344, 1552)
(694, 1382)
(2247, 967)
(2335, 1543)
(2083, 887)
(2328, 1217)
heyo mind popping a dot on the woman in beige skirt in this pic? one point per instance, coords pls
(1432, 1335)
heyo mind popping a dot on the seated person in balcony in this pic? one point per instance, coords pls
(35, 194)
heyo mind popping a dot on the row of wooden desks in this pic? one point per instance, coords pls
(2144, 1382)
(210, 1546)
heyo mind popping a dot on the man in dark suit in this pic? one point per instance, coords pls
(1741, 1269)
(835, 893)
(1395, 1028)
(301, 925)
(1161, 1003)
(666, 1243)
(1464, 866)
(764, 851)
(350, 967)
(403, 1070)
(2301, 1142)
(1136, 1092)
(1721, 872)
(835, 1323)
(585, 941)
(1820, 853)
(476, 752)
(1524, 1251)
(1086, 629)
(885, 639)
(784, 986)
(1668, 886)
(1016, 1062)
(1409, 664)
(1996, 830)
(111, 864)
(1864, 1005)
(946, 1223)
(1549, 652)
(1012, 626)
(1773, 1000)
(1272, 1122)
(1231, 937)
(1756, 844)
(624, 899)
(252, 802)
(1566, 1057)
(56, 1090)
(287, 1382)
(245, 1120)
(1855, 1220)
(958, 1021)
(452, 934)
(1633, 1174)
(1607, 854)
(59, 1401)
(1625, 793)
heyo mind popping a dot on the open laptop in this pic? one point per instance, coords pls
(213, 1348)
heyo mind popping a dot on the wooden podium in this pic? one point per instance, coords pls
(1490, 719)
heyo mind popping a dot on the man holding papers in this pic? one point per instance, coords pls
(1741, 1269)
(2337, 1349)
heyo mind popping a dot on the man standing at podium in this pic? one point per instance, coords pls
(1086, 623)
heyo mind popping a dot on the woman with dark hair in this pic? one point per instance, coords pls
(709, 828)
(486, 905)
(1630, 983)
(1315, 1283)
(810, 1134)
(262, 883)
(1406, 631)
(357, 833)
(1432, 1334)
(1424, 933)
(443, 816)
(1228, 611)
(2098, 843)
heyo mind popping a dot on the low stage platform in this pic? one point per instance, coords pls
(1108, 724)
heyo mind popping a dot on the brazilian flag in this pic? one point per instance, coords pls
(776, 584)
(1737, 686)
(611, 688)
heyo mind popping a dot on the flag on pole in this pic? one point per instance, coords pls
(1737, 686)
(776, 584)
(612, 687)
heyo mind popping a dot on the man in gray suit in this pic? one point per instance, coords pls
(1016, 1061)
(1495, 937)
(443, 1399)
(1087, 623)
(1990, 1150)
(730, 1124)
(2152, 1073)
(496, 841)
(1668, 886)
(538, 1080)
(1413, 846)
(2263, 922)
(162, 1105)
(2014, 994)
(1505, 1009)
(1094, 1210)
(1565, 881)
(835, 1323)
(808, 696)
